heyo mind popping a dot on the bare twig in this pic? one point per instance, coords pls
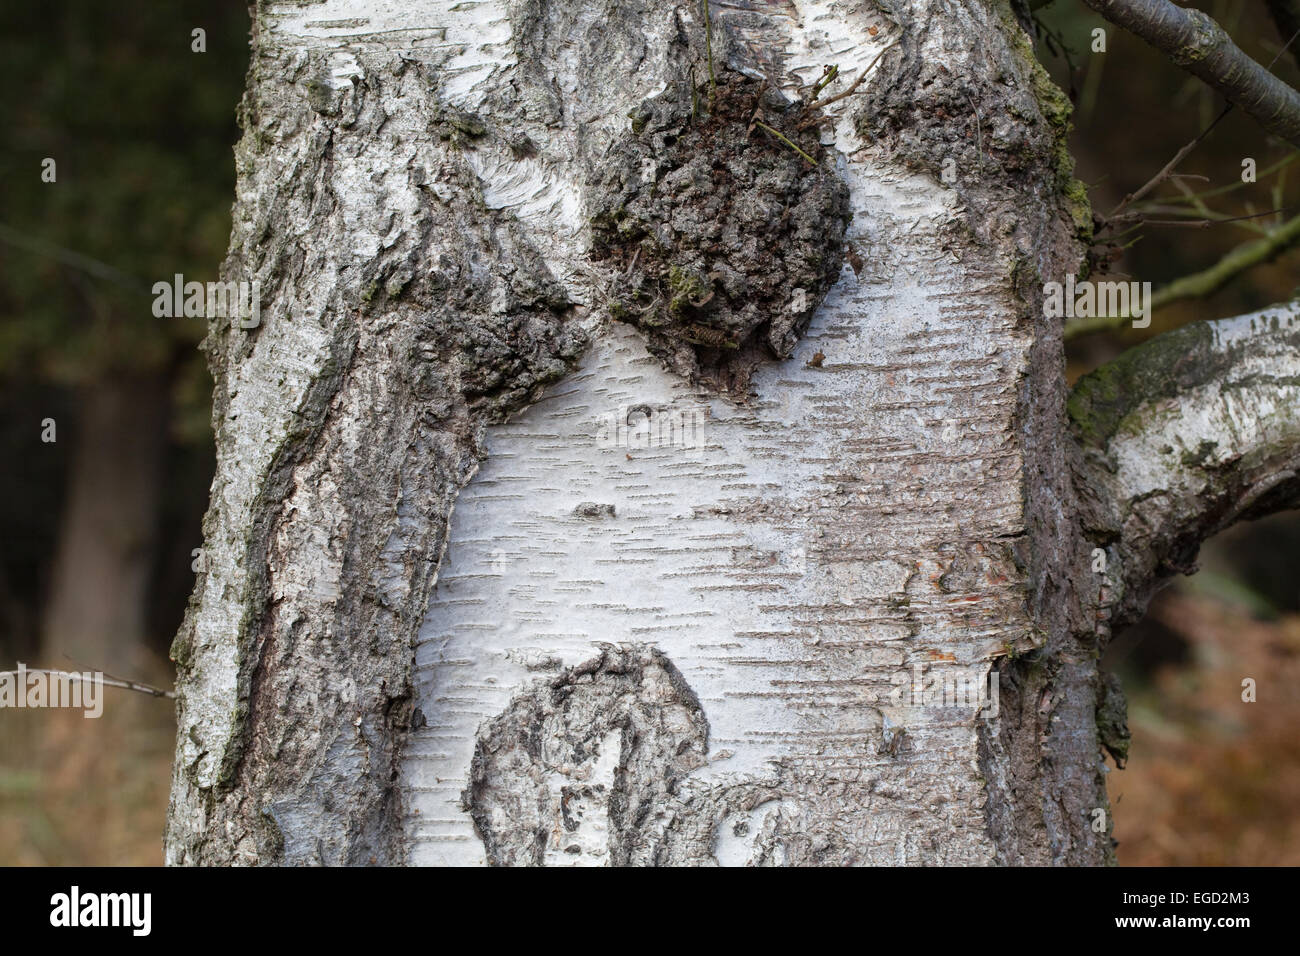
(1167, 171)
(1286, 14)
(120, 681)
(1204, 283)
(828, 75)
(77, 260)
(1191, 223)
(1214, 221)
(105, 679)
(813, 104)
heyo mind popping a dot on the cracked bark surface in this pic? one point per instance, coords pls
(451, 615)
(409, 316)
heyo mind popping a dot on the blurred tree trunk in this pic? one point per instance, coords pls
(613, 653)
(97, 607)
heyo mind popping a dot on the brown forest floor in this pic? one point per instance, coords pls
(1211, 780)
(78, 791)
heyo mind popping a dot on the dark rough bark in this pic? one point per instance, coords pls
(449, 323)
(630, 698)
(1042, 763)
(728, 234)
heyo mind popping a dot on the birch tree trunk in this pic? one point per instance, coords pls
(495, 573)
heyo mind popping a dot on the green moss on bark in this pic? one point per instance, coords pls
(1103, 400)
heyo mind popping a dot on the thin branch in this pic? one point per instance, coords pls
(1198, 204)
(1281, 164)
(1286, 14)
(1203, 283)
(828, 76)
(1216, 220)
(1167, 171)
(119, 681)
(787, 142)
(77, 260)
(104, 679)
(813, 104)
(1201, 47)
(1195, 199)
(1186, 223)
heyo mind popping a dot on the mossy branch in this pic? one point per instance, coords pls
(1182, 437)
(831, 72)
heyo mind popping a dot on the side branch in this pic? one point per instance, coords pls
(1181, 437)
(1201, 47)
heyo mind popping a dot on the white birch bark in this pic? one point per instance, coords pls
(664, 654)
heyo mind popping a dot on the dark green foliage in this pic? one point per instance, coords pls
(141, 129)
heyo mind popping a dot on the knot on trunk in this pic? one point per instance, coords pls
(722, 219)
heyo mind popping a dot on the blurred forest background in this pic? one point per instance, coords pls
(97, 528)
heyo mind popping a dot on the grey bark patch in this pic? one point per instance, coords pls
(723, 238)
(535, 774)
(592, 509)
(1001, 141)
